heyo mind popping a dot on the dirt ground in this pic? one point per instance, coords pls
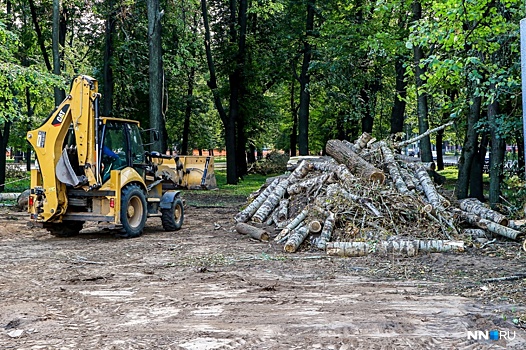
(207, 287)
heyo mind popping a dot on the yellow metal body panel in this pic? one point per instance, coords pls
(48, 139)
(118, 180)
(197, 171)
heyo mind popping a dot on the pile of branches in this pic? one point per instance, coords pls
(366, 198)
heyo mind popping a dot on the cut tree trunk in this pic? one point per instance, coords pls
(314, 226)
(362, 141)
(405, 248)
(306, 184)
(283, 211)
(487, 224)
(296, 237)
(270, 202)
(429, 188)
(326, 233)
(392, 167)
(474, 206)
(246, 214)
(408, 179)
(354, 162)
(293, 224)
(254, 232)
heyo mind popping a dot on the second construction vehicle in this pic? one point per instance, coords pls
(94, 168)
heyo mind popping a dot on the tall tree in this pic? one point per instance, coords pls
(229, 123)
(107, 65)
(155, 70)
(304, 80)
(59, 93)
(422, 108)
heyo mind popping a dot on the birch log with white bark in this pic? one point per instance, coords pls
(283, 211)
(408, 179)
(353, 161)
(296, 237)
(293, 224)
(271, 202)
(392, 168)
(314, 226)
(429, 188)
(254, 232)
(405, 247)
(362, 141)
(246, 214)
(421, 136)
(473, 205)
(316, 181)
(326, 233)
(487, 224)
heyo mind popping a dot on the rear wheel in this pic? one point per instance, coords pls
(65, 228)
(133, 211)
(173, 217)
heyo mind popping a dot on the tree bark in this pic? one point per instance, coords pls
(40, 37)
(423, 121)
(246, 214)
(354, 162)
(107, 70)
(59, 93)
(4, 139)
(155, 70)
(469, 149)
(474, 206)
(228, 124)
(294, 112)
(304, 80)
(398, 111)
(326, 233)
(296, 237)
(498, 146)
(254, 232)
(188, 110)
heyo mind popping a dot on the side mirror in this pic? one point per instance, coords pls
(155, 134)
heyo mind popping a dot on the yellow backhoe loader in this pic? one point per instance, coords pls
(95, 168)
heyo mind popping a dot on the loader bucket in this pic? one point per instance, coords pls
(198, 172)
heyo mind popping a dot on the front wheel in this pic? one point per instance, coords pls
(173, 217)
(133, 211)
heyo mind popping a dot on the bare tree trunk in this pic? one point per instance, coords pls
(498, 145)
(469, 149)
(228, 124)
(188, 110)
(59, 93)
(40, 37)
(294, 111)
(155, 70)
(4, 138)
(397, 114)
(107, 72)
(304, 79)
(423, 122)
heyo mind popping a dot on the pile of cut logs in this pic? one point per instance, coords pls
(366, 198)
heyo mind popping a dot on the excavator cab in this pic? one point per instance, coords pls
(121, 146)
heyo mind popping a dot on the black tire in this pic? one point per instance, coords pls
(65, 229)
(173, 218)
(133, 211)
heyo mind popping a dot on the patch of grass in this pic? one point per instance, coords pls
(225, 195)
(17, 181)
(249, 184)
(451, 174)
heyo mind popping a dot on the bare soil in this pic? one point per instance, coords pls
(207, 287)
